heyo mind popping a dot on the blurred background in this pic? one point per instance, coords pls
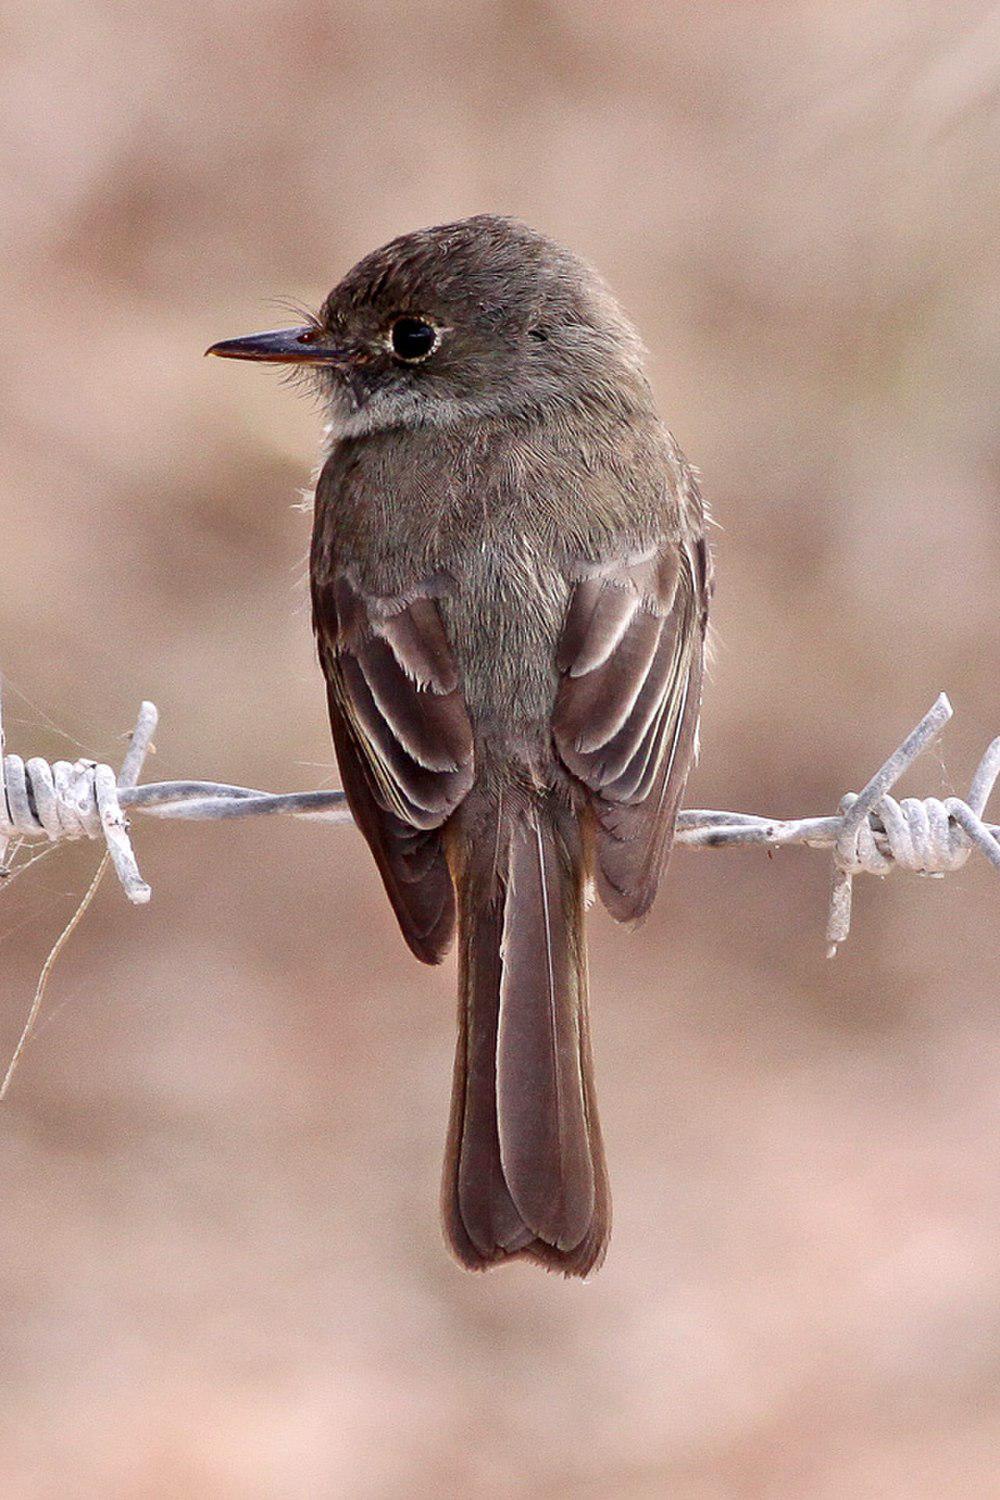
(221, 1272)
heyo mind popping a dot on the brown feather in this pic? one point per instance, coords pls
(576, 626)
(617, 766)
(432, 728)
(404, 746)
(412, 863)
(626, 728)
(634, 838)
(524, 1172)
(477, 1201)
(415, 793)
(613, 613)
(591, 709)
(544, 1140)
(420, 645)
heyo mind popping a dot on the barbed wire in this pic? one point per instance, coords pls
(871, 833)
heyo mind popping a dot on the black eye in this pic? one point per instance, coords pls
(412, 339)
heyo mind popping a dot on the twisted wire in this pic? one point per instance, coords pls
(82, 799)
(872, 833)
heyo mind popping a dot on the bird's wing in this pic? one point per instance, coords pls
(625, 723)
(403, 741)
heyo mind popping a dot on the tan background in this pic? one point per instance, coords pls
(222, 1274)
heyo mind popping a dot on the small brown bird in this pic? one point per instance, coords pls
(510, 585)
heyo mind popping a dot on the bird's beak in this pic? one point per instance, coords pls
(285, 346)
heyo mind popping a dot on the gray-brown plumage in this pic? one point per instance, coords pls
(510, 589)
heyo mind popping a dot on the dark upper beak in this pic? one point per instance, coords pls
(286, 346)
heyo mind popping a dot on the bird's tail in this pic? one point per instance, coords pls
(524, 1173)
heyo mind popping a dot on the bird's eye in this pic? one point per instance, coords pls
(413, 339)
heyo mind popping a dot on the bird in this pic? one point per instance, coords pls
(510, 585)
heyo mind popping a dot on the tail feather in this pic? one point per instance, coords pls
(487, 1209)
(525, 1170)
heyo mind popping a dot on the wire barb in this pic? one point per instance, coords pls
(928, 836)
(871, 834)
(75, 801)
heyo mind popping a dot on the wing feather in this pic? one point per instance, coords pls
(403, 740)
(631, 657)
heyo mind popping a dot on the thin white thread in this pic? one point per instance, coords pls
(47, 967)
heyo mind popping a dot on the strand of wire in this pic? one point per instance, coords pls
(872, 832)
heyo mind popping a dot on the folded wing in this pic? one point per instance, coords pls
(625, 723)
(403, 741)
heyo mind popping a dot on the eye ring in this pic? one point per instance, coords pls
(413, 339)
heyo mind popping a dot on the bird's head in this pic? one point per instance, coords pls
(465, 320)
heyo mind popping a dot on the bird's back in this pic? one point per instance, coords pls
(500, 519)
